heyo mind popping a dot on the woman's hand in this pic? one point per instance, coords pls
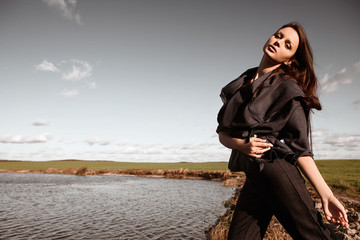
(256, 147)
(334, 211)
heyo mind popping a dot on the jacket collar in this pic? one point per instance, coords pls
(255, 84)
(231, 88)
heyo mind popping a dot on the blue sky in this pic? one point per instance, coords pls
(140, 80)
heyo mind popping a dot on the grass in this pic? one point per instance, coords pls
(339, 174)
(21, 165)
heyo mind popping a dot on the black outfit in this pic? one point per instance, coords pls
(272, 108)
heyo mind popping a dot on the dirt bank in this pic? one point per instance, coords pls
(228, 178)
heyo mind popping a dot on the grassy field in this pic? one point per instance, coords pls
(20, 165)
(339, 174)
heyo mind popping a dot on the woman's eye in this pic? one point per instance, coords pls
(277, 36)
(288, 46)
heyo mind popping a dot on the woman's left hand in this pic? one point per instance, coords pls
(334, 211)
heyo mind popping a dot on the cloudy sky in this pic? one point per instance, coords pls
(127, 80)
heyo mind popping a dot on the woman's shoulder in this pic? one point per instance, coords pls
(229, 89)
(288, 85)
(248, 72)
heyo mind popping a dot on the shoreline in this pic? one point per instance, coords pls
(226, 177)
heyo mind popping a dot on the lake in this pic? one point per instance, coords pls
(54, 206)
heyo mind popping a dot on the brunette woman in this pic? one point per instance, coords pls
(265, 120)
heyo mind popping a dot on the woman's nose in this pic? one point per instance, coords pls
(277, 44)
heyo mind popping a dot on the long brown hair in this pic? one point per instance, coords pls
(302, 68)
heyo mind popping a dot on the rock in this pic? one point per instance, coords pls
(159, 172)
(232, 182)
(318, 206)
(351, 232)
(51, 170)
(353, 216)
(331, 226)
(90, 172)
(70, 171)
(103, 171)
(81, 171)
(357, 226)
(340, 236)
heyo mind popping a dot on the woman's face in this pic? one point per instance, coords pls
(282, 46)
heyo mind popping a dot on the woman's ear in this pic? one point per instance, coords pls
(288, 62)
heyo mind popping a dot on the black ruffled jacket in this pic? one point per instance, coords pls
(272, 108)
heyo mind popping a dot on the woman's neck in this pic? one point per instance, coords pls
(265, 66)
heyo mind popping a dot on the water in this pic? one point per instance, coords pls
(51, 206)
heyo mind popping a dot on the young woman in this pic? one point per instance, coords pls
(265, 121)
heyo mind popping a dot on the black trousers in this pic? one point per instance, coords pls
(278, 190)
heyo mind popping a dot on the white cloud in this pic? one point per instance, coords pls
(349, 142)
(155, 153)
(97, 141)
(320, 132)
(46, 66)
(345, 76)
(92, 85)
(336, 146)
(73, 70)
(41, 122)
(67, 141)
(170, 152)
(69, 93)
(327, 145)
(19, 139)
(141, 150)
(80, 70)
(67, 8)
(196, 146)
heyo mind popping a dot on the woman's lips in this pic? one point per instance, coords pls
(272, 49)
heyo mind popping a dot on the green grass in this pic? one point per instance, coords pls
(20, 165)
(341, 174)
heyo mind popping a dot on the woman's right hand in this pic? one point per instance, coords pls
(256, 147)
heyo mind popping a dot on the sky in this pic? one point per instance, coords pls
(139, 80)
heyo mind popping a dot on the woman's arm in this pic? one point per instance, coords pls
(254, 148)
(334, 210)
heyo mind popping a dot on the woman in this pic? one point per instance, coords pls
(265, 121)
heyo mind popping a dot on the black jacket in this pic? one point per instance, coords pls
(271, 107)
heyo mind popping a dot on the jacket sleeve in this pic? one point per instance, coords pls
(295, 132)
(225, 130)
